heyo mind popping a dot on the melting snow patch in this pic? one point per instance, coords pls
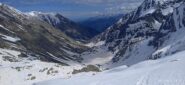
(150, 11)
(9, 38)
(95, 44)
(1, 26)
(167, 11)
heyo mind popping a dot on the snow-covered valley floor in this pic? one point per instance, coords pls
(169, 70)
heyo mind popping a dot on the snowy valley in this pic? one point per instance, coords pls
(144, 47)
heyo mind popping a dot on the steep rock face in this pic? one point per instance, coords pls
(170, 37)
(130, 38)
(150, 11)
(32, 36)
(65, 25)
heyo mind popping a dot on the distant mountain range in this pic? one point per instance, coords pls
(100, 23)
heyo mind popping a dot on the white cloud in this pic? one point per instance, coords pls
(110, 6)
(84, 7)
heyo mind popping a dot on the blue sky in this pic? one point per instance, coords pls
(75, 9)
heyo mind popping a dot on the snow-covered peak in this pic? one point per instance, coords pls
(151, 6)
(50, 16)
(33, 13)
(37, 13)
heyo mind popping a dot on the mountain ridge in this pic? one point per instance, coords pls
(36, 37)
(130, 38)
(65, 25)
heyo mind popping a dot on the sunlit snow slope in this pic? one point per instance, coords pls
(165, 71)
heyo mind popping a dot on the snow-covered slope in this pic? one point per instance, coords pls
(165, 71)
(17, 70)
